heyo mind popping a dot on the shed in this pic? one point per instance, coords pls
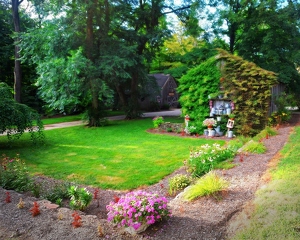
(163, 95)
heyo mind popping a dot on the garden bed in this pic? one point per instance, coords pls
(205, 218)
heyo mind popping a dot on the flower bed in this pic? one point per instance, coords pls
(138, 208)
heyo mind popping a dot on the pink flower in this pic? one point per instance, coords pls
(136, 208)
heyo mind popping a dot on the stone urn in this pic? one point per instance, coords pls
(133, 231)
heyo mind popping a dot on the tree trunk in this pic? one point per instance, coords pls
(121, 95)
(134, 96)
(17, 70)
(93, 112)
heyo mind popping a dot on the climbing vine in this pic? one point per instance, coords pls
(243, 82)
(195, 87)
(249, 87)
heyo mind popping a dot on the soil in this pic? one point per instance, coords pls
(204, 218)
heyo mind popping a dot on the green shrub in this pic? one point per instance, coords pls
(268, 131)
(157, 121)
(283, 114)
(179, 182)
(14, 174)
(254, 147)
(16, 118)
(80, 198)
(169, 130)
(210, 184)
(195, 87)
(191, 130)
(205, 158)
(225, 165)
(35, 188)
(236, 144)
(57, 193)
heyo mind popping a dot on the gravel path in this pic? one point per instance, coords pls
(205, 218)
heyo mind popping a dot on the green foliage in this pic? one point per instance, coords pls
(190, 129)
(157, 121)
(225, 165)
(235, 144)
(248, 86)
(254, 147)
(14, 174)
(169, 130)
(279, 117)
(181, 53)
(267, 132)
(194, 89)
(57, 193)
(80, 198)
(179, 182)
(263, 43)
(209, 185)
(6, 43)
(283, 104)
(205, 158)
(15, 118)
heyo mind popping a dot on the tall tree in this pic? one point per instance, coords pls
(115, 39)
(6, 44)
(271, 38)
(17, 71)
(264, 32)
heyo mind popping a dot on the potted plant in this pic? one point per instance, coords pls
(209, 123)
(231, 116)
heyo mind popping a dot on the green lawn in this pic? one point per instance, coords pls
(71, 118)
(277, 205)
(119, 156)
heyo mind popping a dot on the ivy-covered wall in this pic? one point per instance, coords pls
(249, 87)
(194, 88)
(243, 82)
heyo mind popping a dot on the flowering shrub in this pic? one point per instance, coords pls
(179, 182)
(279, 117)
(209, 122)
(157, 121)
(190, 130)
(137, 208)
(206, 157)
(14, 174)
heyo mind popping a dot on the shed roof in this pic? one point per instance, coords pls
(161, 78)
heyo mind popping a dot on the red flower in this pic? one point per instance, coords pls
(116, 198)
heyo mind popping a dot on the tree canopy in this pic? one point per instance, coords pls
(16, 118)
(93, 55)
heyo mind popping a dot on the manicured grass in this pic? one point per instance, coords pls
(62, 119)
(71, 118)
(277, 214)
(122, 155)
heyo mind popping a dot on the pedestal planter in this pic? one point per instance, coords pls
(230, 134)
(133, 231)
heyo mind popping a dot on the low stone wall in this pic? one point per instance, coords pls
(176, 127)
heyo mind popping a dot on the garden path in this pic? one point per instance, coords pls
(204, 218)
(172, 112)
